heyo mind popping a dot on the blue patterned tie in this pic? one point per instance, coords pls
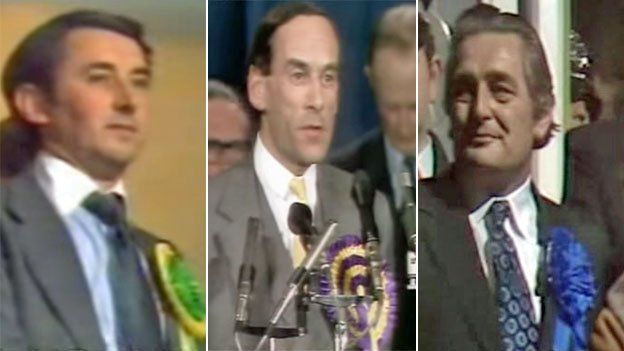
(515, 313)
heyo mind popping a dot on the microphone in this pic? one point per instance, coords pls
(295, 281)
(408, 217)
(247, 273)
(364, 197)
(300, 222)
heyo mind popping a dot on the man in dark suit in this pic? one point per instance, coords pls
(486, 259)
(596, 182)
(293, 82)
(75, 274)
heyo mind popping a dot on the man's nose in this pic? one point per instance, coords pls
(315, 99)
(123, 100)
(482, 108)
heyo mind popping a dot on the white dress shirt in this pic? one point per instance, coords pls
(395, 165)
(275, 181)
(66, 187)
(426, 161)
(523, 233)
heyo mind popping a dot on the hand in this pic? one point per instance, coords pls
(608, 334)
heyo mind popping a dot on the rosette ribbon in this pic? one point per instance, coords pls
(570, 273)
(370, 325)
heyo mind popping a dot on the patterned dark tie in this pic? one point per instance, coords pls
(515, 313)
(136, 324)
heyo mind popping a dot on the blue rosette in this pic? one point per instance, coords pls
(370, 325)
(570, 273)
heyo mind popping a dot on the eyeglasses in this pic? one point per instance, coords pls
(228, 149)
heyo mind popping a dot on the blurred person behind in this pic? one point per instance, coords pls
(230, 128)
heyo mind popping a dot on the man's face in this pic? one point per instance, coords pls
(428, 73)
(97, 114)
(393, 77)
(495, 124)
(299, 98)
(228, 135)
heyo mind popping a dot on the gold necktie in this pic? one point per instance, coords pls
(297, 251)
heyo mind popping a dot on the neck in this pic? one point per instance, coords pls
(106, 176)
(477, 184)
(295, 168)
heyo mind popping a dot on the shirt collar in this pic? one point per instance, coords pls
(394, 158)
(65, 185)
(426, 160)
(522, 204)
(273, 176)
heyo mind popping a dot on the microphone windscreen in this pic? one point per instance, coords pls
(300, 219)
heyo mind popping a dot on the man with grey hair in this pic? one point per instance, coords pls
(229, 128)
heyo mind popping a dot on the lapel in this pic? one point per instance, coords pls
(43, 234)
(546, 219)
(243, 197)
(455, 254)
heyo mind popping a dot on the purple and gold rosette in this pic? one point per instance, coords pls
(370, 324)
(181, 291)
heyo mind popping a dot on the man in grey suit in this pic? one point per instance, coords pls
(489, 253)
(293, 82)
(74, 273)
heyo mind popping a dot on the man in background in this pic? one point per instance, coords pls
(75, 272)
(230, 128)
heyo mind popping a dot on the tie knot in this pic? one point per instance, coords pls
(499, 211)
(109, 208)
(298, 188)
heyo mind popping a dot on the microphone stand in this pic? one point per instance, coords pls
(295, 282)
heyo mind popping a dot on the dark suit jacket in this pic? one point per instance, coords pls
(237, 195)
(369, 153)
(45, 302)
(596, 182)
(457, 310)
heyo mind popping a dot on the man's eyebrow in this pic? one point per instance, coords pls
(297, 63)
(105, 66)
(500, 76)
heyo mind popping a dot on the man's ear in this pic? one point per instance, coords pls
(543, 130)
(256, 88)
(435, 74)
(32, 104)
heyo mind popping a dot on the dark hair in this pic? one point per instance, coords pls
(261, 50)
(37, 56)
(34, 61)
(425, 38)
(484, 18)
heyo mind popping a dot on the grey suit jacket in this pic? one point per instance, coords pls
(457, 310)
(237, 195)
(45, 303)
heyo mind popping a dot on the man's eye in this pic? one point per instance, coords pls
(98, 77)
(502, 94)
(298, 76)
(463, 97)
(329, 78)
(143, 82)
